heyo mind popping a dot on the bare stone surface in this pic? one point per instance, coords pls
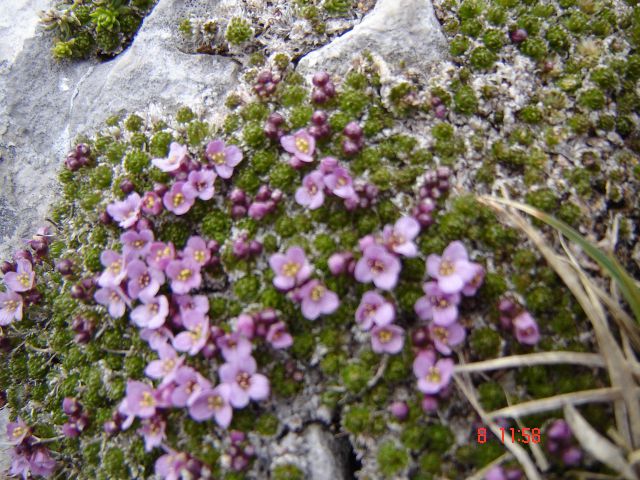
(401, 32)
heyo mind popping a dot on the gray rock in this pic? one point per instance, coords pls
(398, 31)
(327, 456)
(47, 103)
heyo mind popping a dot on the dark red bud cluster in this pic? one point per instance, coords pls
(354, 140)
(78, 157)
(266, 83)
(324, 88)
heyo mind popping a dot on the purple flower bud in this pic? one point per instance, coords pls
(429, 404)
(443, 173)
(559, 430)
(271, 131)
(317, 96)
(209, 350)
(23, 255)
(258, 210)
(420, 337)
(264, 193)
(255, 247)
(400, 410)
(571, 456)
(70, 430)
(82, 149)
(32, 297)
(127, 186)
(440, 111)
(264, 77)
(240, 249)
(319, 117)
(7, 267)
(70, 406)
(77, 292)
(316, 131)
(72, 163)
(443, 185)
(519, 35)
(349, 147)
(329, 89)
(435, 101)
(238, 196)
(238, 211)
(275, 119)
(353, 130)
(105, 218)
(277, 195)
(236, 436)
(268, 316)
(338, 262)
(320, 79)
(160, 189)
(507, 307)
(82, 338)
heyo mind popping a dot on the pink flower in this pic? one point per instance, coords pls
(189, 384)
(437, 305)
(176, 200)
(192, 303)
(327, 165)
(184, 275)
(22, 279)
(200, 184)
(152, 431)
(301, 145)
(374, 308)
(526, 329)
(197, 250)
(311, 193)
(10, 307)
(160, 254)
(244, 382)
(472, 286)
(151, 203)
(223, 158)
(432, 376)
(234, 346)
(245, 326)
(177, 154)
(195, 337)
(387, 339)
(136, 243)
(171, 465)
(41, 463)
(379, 266)
(114, 299)
(17, 431)
(156, 337)
(213, 403)
(140, 400)
(291, 269)
(166, 366)
(317, 300)
(446, 337)
(453, 270)
(399, 238)
(144, 282)
(20, 464)
(278, 336)
(339, 182)
(115, 271)
(152, 313)
(127, 211)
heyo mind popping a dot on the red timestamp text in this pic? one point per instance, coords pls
(514, 435)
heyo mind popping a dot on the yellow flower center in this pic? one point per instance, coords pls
(376, 265)
(24, 279)
(154, 308)
(434, 375)
(396, 240)
(385, 336)
(144, 280)
(147, 400)
(116, 267)
(290, 269)
(138, 243)
(446, 268)
(302, 145)
(169, 364)
(164, 253)
(11, 305)
(185, 274)
(195, 334)
(199, 256)
(18, 432)
(215, 402)
(342, 181)
(218, 158)
(312, 189)
(115, 297)
(369, 310)
(317, 292)
(178, 199)
(243, 380)
(441, 334)
(149, 202)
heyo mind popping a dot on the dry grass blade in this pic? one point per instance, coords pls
(579, 284)
(627, 284)
(597, 445)
(480, 474)
(528, 360)
(516, 450)
(558, 401)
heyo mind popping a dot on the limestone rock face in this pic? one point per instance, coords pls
(45, 104)
(398, 31)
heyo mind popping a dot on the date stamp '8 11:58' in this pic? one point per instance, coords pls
(515, 435)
